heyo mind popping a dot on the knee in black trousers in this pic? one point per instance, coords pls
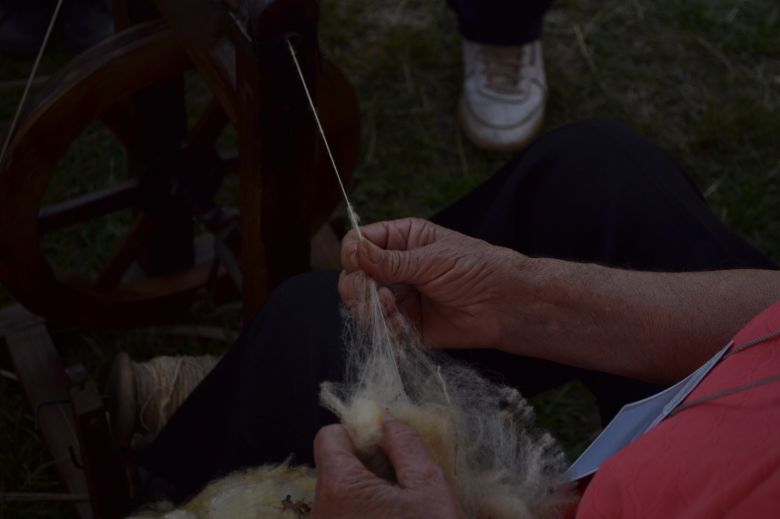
(598, 191)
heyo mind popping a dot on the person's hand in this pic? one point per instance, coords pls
(452, 287)
(347, 489)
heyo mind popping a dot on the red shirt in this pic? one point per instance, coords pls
(717, 459)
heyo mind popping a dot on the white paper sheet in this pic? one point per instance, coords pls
(635, 419)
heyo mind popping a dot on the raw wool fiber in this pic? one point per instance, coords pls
(271, 491)
(481, 434)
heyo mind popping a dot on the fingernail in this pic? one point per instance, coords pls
(371, 251)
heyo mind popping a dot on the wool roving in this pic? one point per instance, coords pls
(270, 491)
(482, 434)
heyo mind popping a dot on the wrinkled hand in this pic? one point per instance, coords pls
(346, 489)
(451, 286)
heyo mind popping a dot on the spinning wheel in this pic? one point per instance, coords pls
(133, 84)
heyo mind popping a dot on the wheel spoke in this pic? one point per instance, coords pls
(123, 256)
(88, 207)
(230, 162)
(122, 120)
(208, 128)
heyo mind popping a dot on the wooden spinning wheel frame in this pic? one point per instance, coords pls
(132, 83)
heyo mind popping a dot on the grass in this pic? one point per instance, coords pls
(701, 78)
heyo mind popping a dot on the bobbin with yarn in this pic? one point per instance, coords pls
(144, 395)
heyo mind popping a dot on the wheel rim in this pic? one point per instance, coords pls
(93, 82)
(90, 83)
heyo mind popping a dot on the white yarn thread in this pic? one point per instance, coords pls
(30, 79)
(353, 217)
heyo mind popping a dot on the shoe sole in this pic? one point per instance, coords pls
(492, 146)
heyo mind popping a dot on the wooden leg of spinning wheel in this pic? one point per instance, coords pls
(43, 378)
(253, 267)
(71, 417)
(277, 145)
(105, 475)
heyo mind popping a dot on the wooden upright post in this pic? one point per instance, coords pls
(277, 145)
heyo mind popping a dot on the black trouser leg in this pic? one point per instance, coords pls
(592, 191)
(598, 191)
(261, 402)
(500, 22)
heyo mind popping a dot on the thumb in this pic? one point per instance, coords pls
(390, 266)
(408, 454)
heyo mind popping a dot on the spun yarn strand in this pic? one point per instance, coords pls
(31, 77)
(353, 217)
(162, 384)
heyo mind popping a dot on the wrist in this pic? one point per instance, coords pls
(519, 289)
(542, 302)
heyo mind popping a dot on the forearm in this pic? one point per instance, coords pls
(648, 325)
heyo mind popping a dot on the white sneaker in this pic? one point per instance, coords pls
(504, 94)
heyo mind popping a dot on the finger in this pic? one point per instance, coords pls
(377, 233)
(382, 234)
(394, 235)
(348, 253)
(387, 301)
(401, 234)
(334, 454)
(408, 453)
(392, 266)
(351, 286)
(407, 304)
(354, 291)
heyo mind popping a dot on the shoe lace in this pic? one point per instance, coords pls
(503, 66)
